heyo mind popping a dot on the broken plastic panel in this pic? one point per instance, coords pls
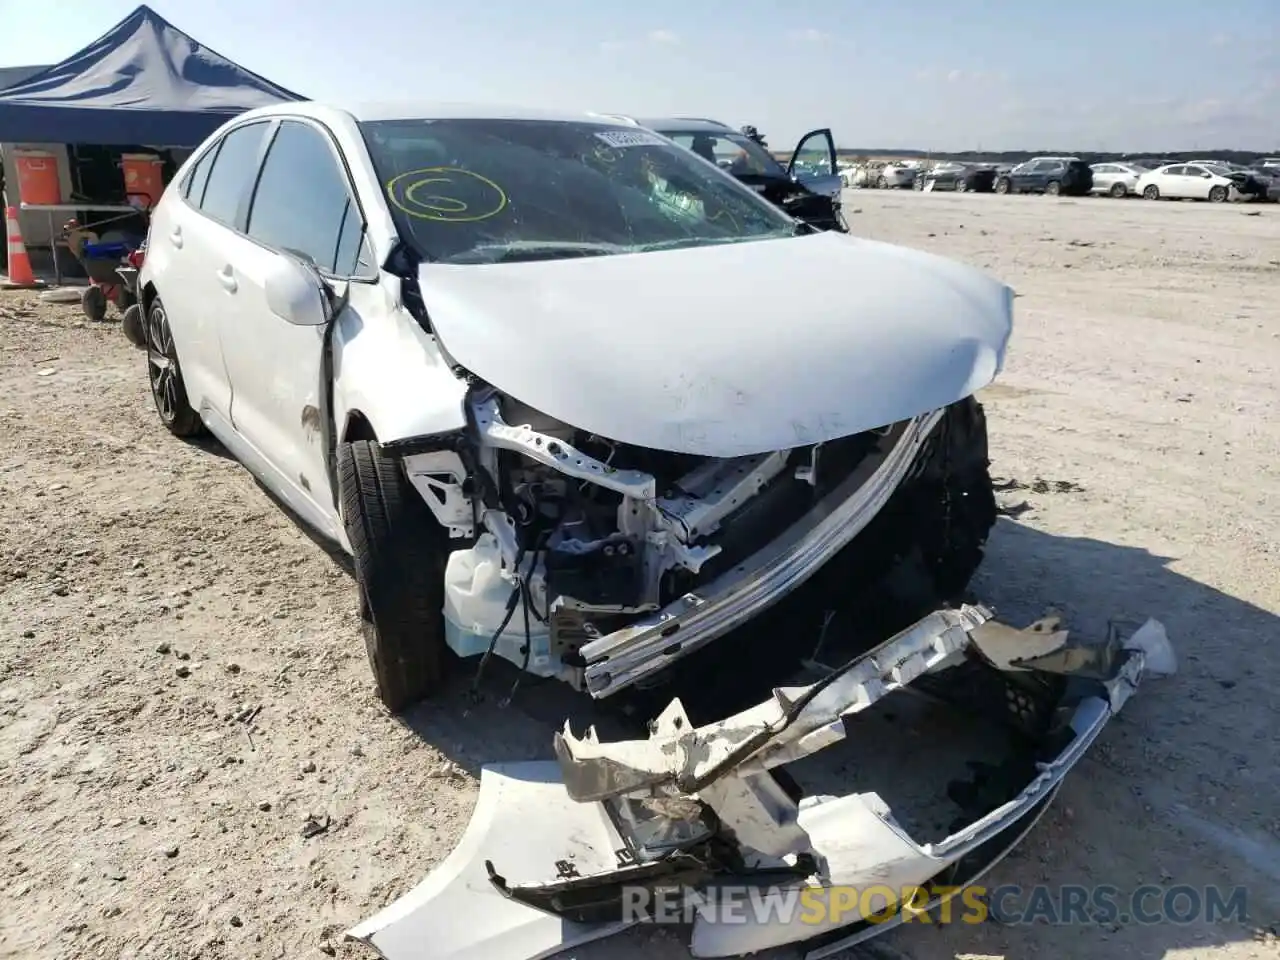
(724, 806)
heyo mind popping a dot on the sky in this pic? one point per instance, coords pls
(1080, 75)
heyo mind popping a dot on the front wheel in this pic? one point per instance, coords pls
(961, 186)
(399, 551)
(1002, 186)
(1118, 190)
(1151, 192)
(1218, 194)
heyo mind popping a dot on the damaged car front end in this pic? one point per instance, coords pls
(724, 815)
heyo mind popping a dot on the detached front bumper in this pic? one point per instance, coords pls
(708, 810)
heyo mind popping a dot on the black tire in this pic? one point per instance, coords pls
(962, 185)
(1002, 185)
(1053, 188)
(93, 302)
(1218, 194)
(1118, 190)
(882, 184)
(400, 552)
(1151, 192)
(165, 375)
(918, 183)
(131, 324)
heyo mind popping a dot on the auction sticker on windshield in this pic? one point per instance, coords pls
(631, 138)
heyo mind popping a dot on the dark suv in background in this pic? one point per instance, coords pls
(1068, 176)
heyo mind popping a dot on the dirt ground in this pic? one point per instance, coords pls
(193, 764)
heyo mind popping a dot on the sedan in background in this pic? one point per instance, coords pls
(1117, 179)
(1189, 181)
(960, 177)
(895, 176)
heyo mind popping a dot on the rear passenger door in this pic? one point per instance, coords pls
(303, 207)
(1173, 182)
(191, 238)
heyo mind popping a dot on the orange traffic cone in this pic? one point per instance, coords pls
(20, 274)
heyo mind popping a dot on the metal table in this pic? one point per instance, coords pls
(52, 208)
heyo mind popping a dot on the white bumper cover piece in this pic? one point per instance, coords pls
(552, 848)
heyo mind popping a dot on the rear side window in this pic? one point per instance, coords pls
(199, 176)
(231, 177)
(302, 203)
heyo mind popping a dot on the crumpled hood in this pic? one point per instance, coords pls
(727, 350)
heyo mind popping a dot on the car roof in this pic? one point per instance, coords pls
(426, 110)
(683, 124)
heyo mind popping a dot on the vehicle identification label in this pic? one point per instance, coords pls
(630, 138)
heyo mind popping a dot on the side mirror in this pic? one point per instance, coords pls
(296, 292)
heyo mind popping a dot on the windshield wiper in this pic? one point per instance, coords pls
(533, 250)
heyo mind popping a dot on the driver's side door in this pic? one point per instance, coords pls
(813, 165)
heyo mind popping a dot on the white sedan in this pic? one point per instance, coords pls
(570, 394)
(543, 362)
(1188, 181)
(1116, 179)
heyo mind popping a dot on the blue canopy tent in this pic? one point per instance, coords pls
(143, 82)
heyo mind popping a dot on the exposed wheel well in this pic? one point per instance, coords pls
(358, 427)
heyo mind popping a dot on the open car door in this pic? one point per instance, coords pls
(814, 163)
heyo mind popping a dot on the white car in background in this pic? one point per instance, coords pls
(1188, 181)
(895, 176)
(1116, 179)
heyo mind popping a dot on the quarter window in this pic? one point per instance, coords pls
(302, 203)
(232, 174)
(199, 176)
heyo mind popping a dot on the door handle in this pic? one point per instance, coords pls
(175, 235)
(228, 279)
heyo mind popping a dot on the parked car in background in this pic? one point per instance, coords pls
(1068, 176)
(808, 188)
(1252, 184)
(895, 176)
(1189, 181)
(1116, 179)
(960, 177)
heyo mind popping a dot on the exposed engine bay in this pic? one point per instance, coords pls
(567, 540)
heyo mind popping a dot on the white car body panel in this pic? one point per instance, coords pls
(854, 840)
(641, 349)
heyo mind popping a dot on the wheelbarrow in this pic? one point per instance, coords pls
(102, 261)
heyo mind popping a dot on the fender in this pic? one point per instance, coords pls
(388, 369)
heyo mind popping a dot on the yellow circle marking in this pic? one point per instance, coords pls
(406, 192)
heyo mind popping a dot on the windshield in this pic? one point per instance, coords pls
(730, 151)
(491, 191)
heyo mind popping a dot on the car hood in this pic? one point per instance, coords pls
(731, 349)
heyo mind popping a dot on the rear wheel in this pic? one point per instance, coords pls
(1002, 185)
(1151, 192)
(400, 552)
(1118, 190)
(1218, 194)
(882, 183)
(168, 389)
(1053, 188)
(961, 185)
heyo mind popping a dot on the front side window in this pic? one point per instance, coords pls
(302, 203)
(730, 151)
(232, 174)
(489, 191)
